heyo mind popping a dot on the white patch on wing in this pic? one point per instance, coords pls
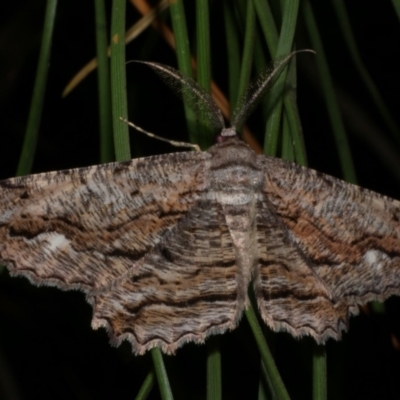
(55, 241)
(375, 259)
(371, 257)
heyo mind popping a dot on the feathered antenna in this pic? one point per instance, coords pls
(201, 101)
(253, 94)
(195, 96)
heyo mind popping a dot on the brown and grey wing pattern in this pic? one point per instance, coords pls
(85, 228)
(349, 236)
(290, 295)
(183, 290)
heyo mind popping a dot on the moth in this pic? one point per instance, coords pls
(165, 247)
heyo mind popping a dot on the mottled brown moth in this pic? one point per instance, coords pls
(165, 247)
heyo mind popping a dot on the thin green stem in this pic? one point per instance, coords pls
(205, 140)
(269, 29)
(233, 50)
(396, 6)
(121, 138)
(247, 61)
(319, 373)
(292, 118)
(103, 78)
(287, 144)
(203, 66)
(332, 106)
(178, 20)
(214, 380)
(39, 90)
(268, 25)
(161, 374)
(345, 26)
(276, 95)
(118, 82)
(146, 387)
(273, 376)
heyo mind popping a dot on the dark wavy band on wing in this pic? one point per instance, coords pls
(85, 228)
(187, 279)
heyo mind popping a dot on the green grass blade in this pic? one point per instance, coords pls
(247, 60)
(265, 386)
(178, 20)
(396, 6)
(146, 387)
(319, 373)
(269, 29)
(214, 380)
(260, 60)
(273, 376)
(332, 106)
(35, 111)
(203, 45)
(103, 77)
(233, 51)
(296, 131)
(118, 82)
(204, 134)
(350, 41)
(203, 66)
(319, 352)
(161, 374)
(284, 46)
(297, 150)
(121, 137)
(267, 24)
(287, 144)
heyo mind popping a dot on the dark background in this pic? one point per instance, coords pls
(47, 348)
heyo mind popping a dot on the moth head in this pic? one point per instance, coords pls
(228, 132)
